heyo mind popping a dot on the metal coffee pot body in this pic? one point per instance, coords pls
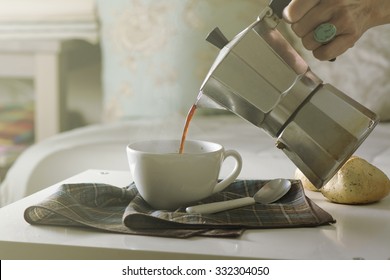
(260, 77)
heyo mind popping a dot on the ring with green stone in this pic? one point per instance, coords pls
(324, 33)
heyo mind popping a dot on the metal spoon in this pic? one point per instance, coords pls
(270, 192)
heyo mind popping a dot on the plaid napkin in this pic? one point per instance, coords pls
(122, 210)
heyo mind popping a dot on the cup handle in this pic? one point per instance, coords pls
(236, 170)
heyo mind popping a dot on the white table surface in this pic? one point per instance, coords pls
(360, 232)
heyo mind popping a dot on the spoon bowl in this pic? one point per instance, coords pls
(272, 191)
(269, 193)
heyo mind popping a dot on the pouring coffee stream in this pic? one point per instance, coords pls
(189, 117)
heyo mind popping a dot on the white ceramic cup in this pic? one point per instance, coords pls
(168, 180)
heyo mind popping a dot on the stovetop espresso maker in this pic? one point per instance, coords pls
(260, 77)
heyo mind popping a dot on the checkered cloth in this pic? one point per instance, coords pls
(123, 210)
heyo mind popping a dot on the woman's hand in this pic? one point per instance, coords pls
(350, 17)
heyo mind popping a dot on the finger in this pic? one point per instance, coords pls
(335, 48)
(323, 34)
(311, 20)
(297, 9)
(309, 41)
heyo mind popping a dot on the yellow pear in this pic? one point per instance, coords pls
(357, 182)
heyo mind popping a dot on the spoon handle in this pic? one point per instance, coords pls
(220, 206)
